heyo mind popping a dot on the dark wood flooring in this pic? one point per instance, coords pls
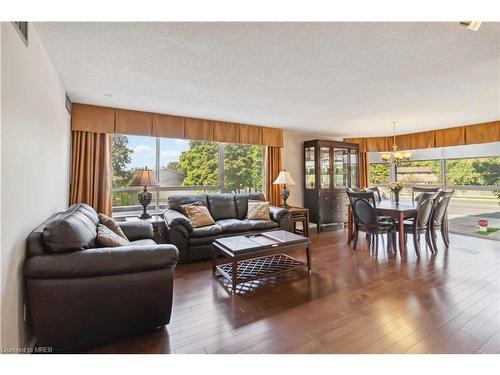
(354, 302)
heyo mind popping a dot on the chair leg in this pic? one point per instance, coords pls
(416, 243)
(446, 237)
(376, 243)
(428, 241)
(355, 240)
(434, 240)
(389, 241)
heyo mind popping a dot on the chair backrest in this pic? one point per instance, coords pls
(441, 207)
(363, 211)
(376, 190)
(423, 189)
(425, 207)
(368, 195)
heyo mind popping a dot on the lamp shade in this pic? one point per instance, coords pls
(144, 177)
(284, 177)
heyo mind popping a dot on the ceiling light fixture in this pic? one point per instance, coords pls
(395, 157)
(471, 25)
(108, 95)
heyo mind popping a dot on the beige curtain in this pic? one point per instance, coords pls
(273, 168)
(363, 169)
(91, 170)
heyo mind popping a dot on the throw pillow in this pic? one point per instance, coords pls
(111, 224)
(199, 216)
(183, 207)
(258, 210)
(106, 237)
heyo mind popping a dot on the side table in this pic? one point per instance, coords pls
(299, 215)
(159, 227)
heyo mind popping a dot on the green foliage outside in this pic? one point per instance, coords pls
(379, 173)
(242, 168)
(199, 164)
(122, 177)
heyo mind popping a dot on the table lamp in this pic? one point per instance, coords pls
(284, 178)
(144, 177)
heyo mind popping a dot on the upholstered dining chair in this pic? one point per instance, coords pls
(439, 220)
(415, 190)
(421, 223)
(366, 220)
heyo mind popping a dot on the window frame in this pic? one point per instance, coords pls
(156, 207)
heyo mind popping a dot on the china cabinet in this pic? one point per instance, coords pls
(329, 168)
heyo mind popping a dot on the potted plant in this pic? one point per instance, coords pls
(396, 187)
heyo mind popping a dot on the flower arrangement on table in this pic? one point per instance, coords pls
(396, 187)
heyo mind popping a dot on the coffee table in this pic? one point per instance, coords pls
(258, 256)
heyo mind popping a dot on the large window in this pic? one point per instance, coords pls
(180, 166)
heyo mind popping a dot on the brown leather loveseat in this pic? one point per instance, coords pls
(81, 295)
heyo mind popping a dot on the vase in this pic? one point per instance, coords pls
(396, 197)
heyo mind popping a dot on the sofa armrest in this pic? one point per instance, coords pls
(104, 261)
(277, 212)
(137, 230)
(173, 218)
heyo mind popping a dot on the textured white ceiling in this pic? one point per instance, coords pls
(337, 79)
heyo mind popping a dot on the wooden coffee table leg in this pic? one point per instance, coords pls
(308, 252)
(234, 275)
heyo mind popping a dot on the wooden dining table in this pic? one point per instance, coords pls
(399, 211)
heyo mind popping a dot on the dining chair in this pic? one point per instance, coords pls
(439, 220)
(422, 189)
(376, 190)
(366, 220)
(421, 223)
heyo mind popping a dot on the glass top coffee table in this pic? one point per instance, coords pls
(258, 256)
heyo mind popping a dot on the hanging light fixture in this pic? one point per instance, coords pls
(395, 157)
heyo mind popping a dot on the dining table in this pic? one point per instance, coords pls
(386, 207)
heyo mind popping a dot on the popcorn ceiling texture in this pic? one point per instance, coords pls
(341, 79)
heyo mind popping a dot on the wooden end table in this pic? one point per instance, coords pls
(299, 215)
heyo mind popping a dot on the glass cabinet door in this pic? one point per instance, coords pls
(354, 168)
(340, 168)
(310, 170)
(324, 167)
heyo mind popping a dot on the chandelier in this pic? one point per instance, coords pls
(395, 157)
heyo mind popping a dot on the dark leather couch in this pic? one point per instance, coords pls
(228, 211)
(81, 295)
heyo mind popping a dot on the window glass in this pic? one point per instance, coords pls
(130, 153)
(427, 172)
(477, 171)
(243, 166)
(379, 174)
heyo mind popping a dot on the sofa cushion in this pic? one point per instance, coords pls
(87, 211)
(111, 224)
(72, 230)
(199, 216)
(107, 238)
(209, 230)
(241, 201)
(263, 224)
(222, 206)
(183, 206)
(258, 210)
(175, 201)
(143, 242)
(234, 225)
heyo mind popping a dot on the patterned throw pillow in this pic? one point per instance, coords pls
(106, 237)
(111, 224)
(183, 207)
(199, 216)
(258, 210)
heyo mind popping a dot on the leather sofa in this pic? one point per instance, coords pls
(81, 295)
(229, 213)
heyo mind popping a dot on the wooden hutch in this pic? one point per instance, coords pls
(329, 168)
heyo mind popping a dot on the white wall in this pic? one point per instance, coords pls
(292, 161)
(35, 153)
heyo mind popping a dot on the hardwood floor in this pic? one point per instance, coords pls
(354, 302)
